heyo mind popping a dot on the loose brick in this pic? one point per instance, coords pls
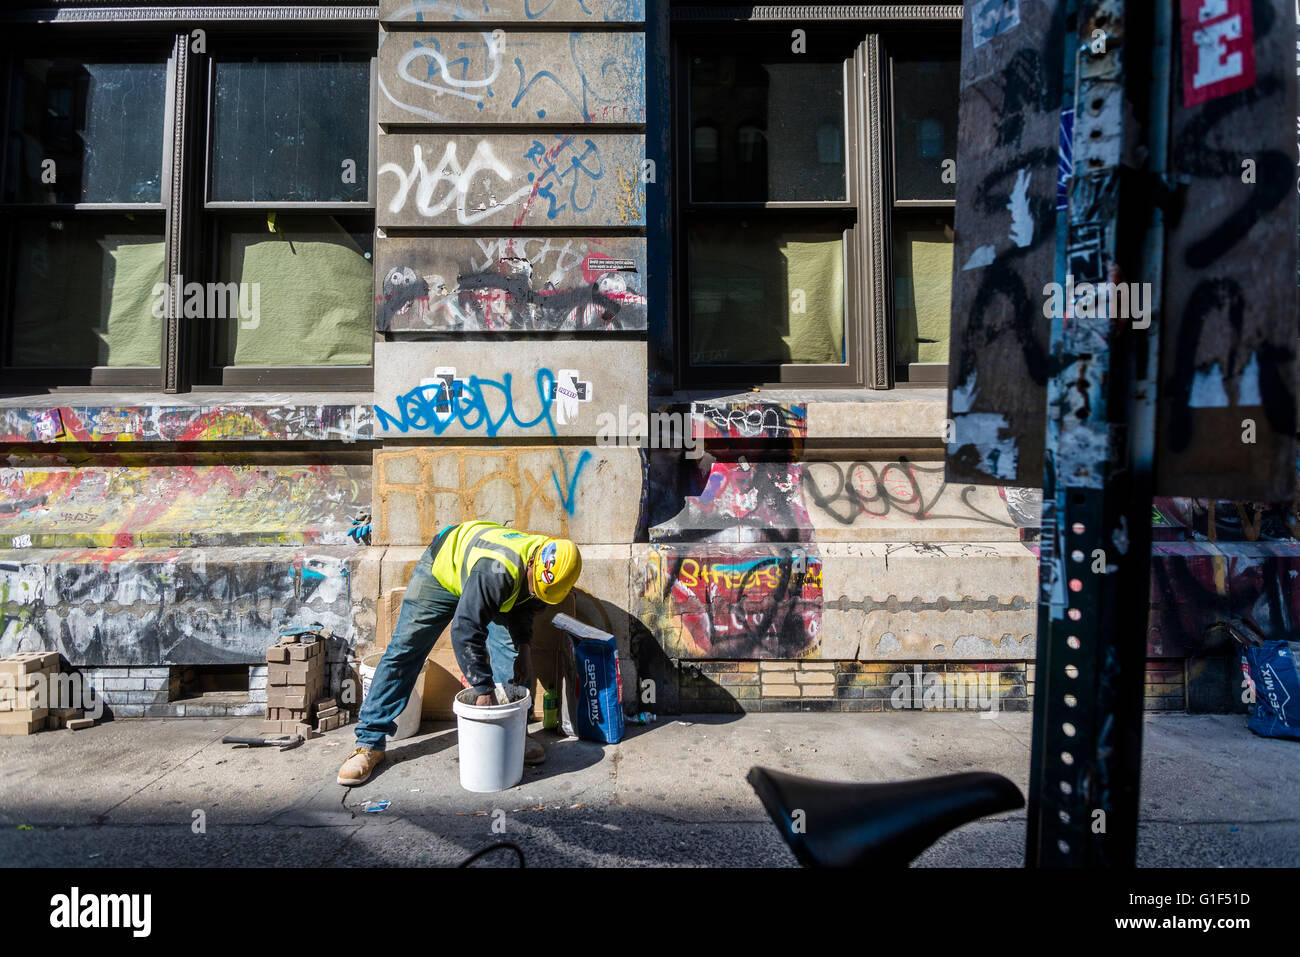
(277, 653)
(20, 723)
(81, 724)
(304, 731)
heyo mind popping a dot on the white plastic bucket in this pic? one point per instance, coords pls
(408, 722)
(491, 741)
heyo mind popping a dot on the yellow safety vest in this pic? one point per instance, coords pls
(471, 542)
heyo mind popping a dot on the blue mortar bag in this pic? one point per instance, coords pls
(592, 699)
(1271, 669)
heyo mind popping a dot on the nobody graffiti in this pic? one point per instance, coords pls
(487, 406)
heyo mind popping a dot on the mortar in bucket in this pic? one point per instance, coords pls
(491, 741)
(408, 722)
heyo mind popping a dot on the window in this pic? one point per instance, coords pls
(251, 234)
(291, 214)
(815, 233)
(924, 86)
(83, 213)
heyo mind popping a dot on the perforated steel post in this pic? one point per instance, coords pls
(1094, 571)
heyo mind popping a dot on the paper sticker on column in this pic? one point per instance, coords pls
(566, 393)
(22, 541)
(991, 18)
(1218, 49)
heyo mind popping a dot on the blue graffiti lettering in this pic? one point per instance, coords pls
(437, 406)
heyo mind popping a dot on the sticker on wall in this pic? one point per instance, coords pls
(992, 18)
(566, 393)
(1218, 49)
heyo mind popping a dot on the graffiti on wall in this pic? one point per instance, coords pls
(752, 601)
(419, 491)
(743, 502)
(514, 77)
(848, 494)
(749, 420)
(121, 501)
(1010, 105)
(486, 406)
(170, 606)
(535, 284)
(185, 423)
(1194, 584)
(557, 179)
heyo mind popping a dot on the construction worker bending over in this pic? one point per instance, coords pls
(488, 581)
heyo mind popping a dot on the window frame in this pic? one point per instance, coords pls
(920, 374)
(869, 313)
(137, 49)
(185, 346)
(687, 208)
(213, 212)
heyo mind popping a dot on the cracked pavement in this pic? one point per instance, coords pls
(132, 793)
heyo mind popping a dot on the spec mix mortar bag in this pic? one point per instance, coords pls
(1271, 670)
(591, 699)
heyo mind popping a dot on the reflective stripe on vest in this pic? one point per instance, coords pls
(467, 544)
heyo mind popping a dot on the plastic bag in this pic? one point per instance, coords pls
(1270, 677)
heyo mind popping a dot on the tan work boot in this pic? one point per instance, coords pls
(359, 765)
(534, 753)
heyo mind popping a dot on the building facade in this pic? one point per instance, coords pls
(288, 288)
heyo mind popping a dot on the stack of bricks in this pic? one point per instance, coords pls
(26, 680)
(295, 679)
(328, 715)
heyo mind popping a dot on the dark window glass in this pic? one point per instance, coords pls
(84, 132)
(766, 132)
(767, 292)
(305, 291)
(925, 127)
(88, 291)
(291, 131)
(922, 285)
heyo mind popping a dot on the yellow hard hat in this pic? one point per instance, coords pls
(556, 566)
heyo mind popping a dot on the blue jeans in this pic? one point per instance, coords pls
(427, 609)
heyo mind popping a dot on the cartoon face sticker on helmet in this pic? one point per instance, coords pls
(548, 563)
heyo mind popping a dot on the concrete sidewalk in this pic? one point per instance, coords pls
(126, 794)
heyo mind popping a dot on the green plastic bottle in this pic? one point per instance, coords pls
(550, 710)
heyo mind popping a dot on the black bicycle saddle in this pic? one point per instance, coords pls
(860, 825)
